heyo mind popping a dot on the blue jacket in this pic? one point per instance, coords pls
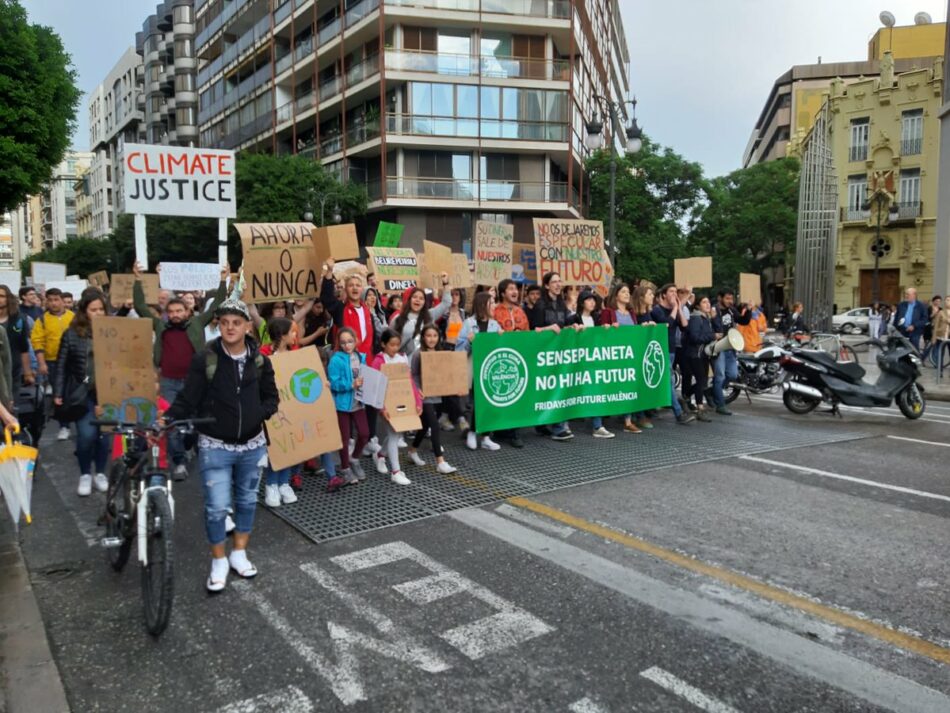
(469, 327)
(340, 375)
(919, 319)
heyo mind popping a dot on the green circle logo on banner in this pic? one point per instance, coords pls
(306, 386)
(504, 377)
(653, 361)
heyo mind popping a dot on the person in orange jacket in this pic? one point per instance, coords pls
(753, 331)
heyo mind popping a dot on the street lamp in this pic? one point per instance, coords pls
(882, 198)
(322, 199)
(595, 142)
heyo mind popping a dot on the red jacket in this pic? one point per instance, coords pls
(346, 315)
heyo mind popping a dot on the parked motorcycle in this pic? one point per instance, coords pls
(758, 373)
(816, 377)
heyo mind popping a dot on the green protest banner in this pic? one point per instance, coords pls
(535, 378)
(388, 235)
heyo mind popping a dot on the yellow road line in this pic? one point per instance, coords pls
(886, 634)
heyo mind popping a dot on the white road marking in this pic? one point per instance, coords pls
(78, 508)
(680, 688)
(528, 518)
(586, 705)
(806, 657)
(287, 700)
(509, 627)
(848, 478)
(917, 440)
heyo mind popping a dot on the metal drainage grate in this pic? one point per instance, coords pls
(542, 466)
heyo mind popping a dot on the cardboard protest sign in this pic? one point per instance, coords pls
(400, 401)
(388, 235)
(750, 288)
(125, 374)
(120, 291)
(305, 424)
(336, 241)
(342, 270)
(279, 261)
(99, 279)
(73, 287)
(12, 279)
(435, 260)
(445, 373)
(461, 274)
(43, 272)
(396, 268)
(373, 391)
(185, 276)
(574, 249)
(693, 271)
(524, 263)
(492, 251)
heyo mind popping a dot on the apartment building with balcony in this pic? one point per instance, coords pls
(83, 193)
(169, 98)
(447, 111)
(116, 116)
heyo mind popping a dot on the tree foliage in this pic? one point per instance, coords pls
(657, 194)
(82, 256)
(749, 221)
(38, 103)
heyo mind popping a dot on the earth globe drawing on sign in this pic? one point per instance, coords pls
(504, 377)
(306, 386)
(653, 362)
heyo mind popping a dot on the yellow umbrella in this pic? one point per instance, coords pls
(16, 475)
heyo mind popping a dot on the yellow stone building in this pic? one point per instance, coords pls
(884, 133)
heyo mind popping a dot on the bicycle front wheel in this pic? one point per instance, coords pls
(158, 577)
(118, 515)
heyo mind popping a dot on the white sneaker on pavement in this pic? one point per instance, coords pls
(471, 441)
(402, 443)
(416, 458)
(180, 473)
(445, 423)
(272, 496)
(101, 482)
(463, 424)
(399, 478)
(489, 445)
(287, 494)
(381, 466)
(241, 564)
(445, 468)
(603, 433)
(218, 577)
(85, 485)
(373, 447)
(357, 469)
(63, 434)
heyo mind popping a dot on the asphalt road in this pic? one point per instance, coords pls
(808, 579)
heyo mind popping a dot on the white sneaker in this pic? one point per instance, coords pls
(603, 433)
(373, 447)
(471, 441)
(271, 496)
(229, 524)
(463, 424)
(402, 443)
(63, 434)
(489, 445)
(218, 578)
(85, 485)
(399, 478)
(287, 494)
(101, 482)
(381, 466)
(445, 468)
(416, 458)
(445, 424)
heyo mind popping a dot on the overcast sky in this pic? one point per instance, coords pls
(702, 69)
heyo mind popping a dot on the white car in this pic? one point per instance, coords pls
(854, 321)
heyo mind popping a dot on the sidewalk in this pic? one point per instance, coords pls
(29, 678)
(933, 390)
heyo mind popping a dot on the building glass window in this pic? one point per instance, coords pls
(912, 132)
(860, 132)
(857, 195)
(909, 191)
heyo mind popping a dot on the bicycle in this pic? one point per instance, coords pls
(821, 340)
(139, 506)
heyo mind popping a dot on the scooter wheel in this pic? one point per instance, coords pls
(911, 402)
(797, 403)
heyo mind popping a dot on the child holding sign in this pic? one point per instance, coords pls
(343, 373)
(277, 488)
(429, 343)
(390, 342)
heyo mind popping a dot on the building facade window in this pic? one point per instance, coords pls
(857, 196)
(909, 191)
(860, 133)
(912, 132)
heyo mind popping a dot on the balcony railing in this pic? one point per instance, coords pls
(328, 31)
(909, 211)
(284, 112)
(362, 70)
(858, 152)
(305, 101)
(331, 145)
(283, 11)
(283, 62)
(910, 147)
(463, 65)
(329, 89)
(361, 133)
(359, 11)
(555, 9)
(853, 215)
(303, 49)
(481, 191)
(422, 125)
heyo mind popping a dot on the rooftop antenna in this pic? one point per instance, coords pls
(923, 18)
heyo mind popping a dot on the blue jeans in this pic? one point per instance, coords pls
(91, 444)
(558, 428)
(277, 477)
(674, 402)
(169, 389)
(224, 472)
(597, 422)
(726, 366)
(329, 465)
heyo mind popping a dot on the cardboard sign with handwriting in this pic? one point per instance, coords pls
(125, 373)
(693, 272)
(342, 270)
(99, 279)
(461, 275)
(433, 261)
(400, 400)
(445, 373)
(575, 249)
(524, 263)
(120, 291)
(750, 288)
(492, 250)
(279, 261)
(305, 424)
(336, 241)
(396, 268)
(185, 276)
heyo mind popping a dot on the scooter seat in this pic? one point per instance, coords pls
(850, 369)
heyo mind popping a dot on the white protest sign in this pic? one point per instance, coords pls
(175, 180)
(43, 272)
(73, 287)
(373, 391)
(189, 276)
(12, 279)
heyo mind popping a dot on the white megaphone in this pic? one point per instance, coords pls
(733, 341)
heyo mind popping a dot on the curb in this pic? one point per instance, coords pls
(29, 677)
